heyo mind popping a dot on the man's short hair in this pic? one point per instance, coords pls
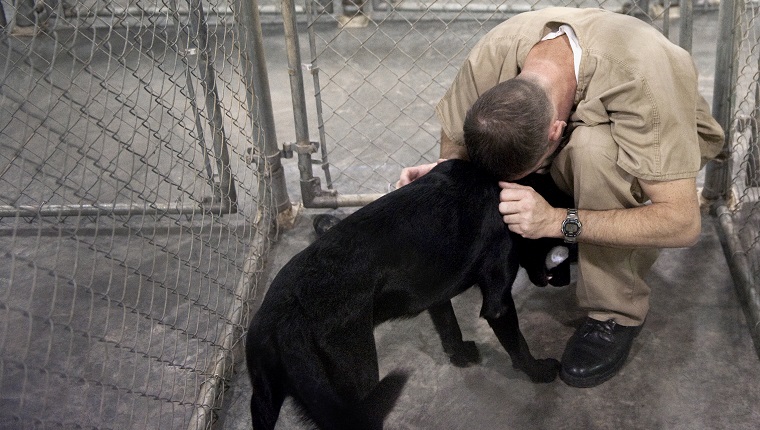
(506, 130)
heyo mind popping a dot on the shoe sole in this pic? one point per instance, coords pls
(593, 381)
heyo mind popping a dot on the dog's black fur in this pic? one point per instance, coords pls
(411, 250)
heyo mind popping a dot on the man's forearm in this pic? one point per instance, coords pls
(649, 226)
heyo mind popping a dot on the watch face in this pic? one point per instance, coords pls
(570, 228)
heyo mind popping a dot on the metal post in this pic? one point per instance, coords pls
(120, 209)
(309, 184)
(314, 69)
(226, 187)
(686, 32)
(718, 171)
(260, 102)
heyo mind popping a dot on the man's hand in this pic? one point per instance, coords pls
(410, 174)
(527, 213)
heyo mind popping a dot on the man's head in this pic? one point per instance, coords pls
(508, 131)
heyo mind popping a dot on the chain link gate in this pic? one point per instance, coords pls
(133, 223)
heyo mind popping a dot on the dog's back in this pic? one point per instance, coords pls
(415, 247)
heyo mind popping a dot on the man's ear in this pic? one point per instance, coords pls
(556, 130)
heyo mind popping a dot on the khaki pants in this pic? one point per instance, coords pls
(610, 280)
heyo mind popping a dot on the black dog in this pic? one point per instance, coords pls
(411, 250)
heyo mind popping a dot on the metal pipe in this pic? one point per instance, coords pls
(259, 100)
(741, 272)
(226, 187)
(718, 171)
(686, 33)
(310, 187)
(121, 209)
(115, 10)
(314, 69)
(342, 200)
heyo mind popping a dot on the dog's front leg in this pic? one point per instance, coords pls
(461, 353)
(507, 330)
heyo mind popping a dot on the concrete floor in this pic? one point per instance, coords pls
(692, 367)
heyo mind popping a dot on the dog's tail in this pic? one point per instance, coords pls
(368, 414)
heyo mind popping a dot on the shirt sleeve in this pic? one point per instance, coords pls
(652, 112)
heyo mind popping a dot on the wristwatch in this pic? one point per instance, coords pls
(571, 226)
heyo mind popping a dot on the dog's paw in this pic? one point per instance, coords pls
(466, 354)
(543, 370)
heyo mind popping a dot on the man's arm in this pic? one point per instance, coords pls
(671, 220)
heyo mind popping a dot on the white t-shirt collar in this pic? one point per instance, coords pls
(574, 44)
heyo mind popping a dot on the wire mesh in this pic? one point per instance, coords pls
(128, 209)
(379, 66)
(744, 177)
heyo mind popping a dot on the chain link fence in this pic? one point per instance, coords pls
(133, 223)
(732, 181)
(137, 151)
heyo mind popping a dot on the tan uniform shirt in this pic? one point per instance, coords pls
(630, 76)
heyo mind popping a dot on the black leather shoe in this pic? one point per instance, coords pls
(596, 352)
